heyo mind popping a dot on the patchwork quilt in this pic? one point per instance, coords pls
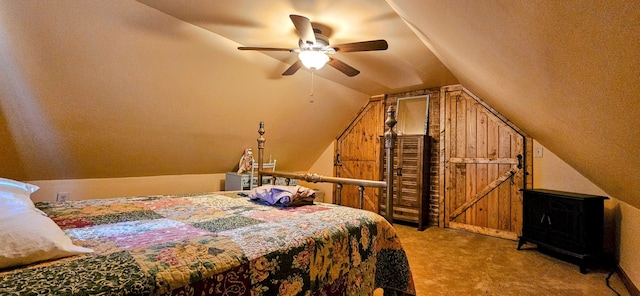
(216, 244)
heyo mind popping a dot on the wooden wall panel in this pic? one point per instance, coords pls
(357, 150)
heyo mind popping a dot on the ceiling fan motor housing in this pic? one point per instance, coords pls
(321, 44)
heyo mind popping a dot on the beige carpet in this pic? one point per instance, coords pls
(452, 262)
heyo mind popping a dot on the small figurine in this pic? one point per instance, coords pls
(246, 161)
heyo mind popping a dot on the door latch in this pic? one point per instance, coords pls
(337, 161)
(519, 161)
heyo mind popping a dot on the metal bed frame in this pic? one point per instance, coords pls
(390, 140)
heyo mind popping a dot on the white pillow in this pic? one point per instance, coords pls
(28, 236)
(19, 190)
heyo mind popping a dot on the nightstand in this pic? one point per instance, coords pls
(235, 181)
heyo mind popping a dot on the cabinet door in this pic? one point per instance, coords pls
(535, 217)
(382, 200)
(564, 228)
(409, 172)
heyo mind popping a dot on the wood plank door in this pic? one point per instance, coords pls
(483, 168)
(357, 155)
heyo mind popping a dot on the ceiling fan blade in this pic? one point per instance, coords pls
(293, 69)
(265, 48)
(304, 28)
(362, 46)
(342, 67)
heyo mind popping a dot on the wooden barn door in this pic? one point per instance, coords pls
(357, 155)
(483, 161)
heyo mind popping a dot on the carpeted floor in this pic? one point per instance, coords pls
(451, 262)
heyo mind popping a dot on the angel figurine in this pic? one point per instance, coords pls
(246, 161)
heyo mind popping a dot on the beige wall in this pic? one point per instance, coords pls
(550, 172)
(79, 189)
(629, 241)
(622, 234)
(323, 166)
(118, 187)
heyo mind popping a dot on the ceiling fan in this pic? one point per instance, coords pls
(315, 51)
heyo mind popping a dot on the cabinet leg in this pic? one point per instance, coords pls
(521, 242)
(583, 268)
(583, 264)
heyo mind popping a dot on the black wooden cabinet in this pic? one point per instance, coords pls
(568, 223)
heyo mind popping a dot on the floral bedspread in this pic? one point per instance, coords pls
(216, 244)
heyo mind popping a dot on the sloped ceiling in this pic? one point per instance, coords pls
(126, 88)
(567, 72)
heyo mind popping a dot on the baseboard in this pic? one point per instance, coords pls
(633, 290)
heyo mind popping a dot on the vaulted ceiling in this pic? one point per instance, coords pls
(135, 88)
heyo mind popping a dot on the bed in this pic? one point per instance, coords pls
(209, 244)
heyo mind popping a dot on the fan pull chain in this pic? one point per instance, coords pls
(311, 95)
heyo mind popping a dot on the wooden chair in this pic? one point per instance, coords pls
(254, 171)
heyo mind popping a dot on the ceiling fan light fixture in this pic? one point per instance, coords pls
(314, 48)
(312, 59)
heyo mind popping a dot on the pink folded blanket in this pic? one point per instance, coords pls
(283, 195)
